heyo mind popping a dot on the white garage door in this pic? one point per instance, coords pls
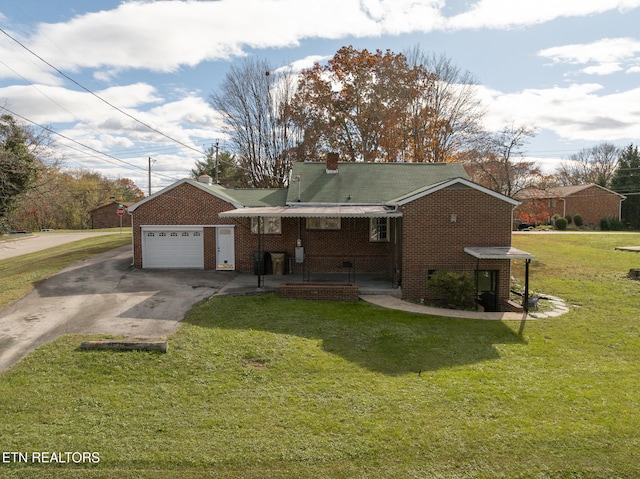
(173, 249)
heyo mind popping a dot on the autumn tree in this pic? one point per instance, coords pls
(456, 109)
(366, 106)
(498, 161)
(626, 181)
(20, 150)
(63, 199)
(254, 101)
(590, 165)
(124, 189)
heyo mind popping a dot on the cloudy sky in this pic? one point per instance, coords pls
(101, 73)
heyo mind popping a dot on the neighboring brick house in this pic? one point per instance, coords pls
(403, 220)
(591, 202)
(106, 216)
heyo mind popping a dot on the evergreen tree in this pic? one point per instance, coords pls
(226, 172)
(626, 181)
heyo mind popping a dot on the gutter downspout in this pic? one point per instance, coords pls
(133, 249)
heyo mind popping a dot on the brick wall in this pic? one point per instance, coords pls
(325, 250)
(328, 292)
(107, 217)
(593, 204)
(432, 241)
(183, 205)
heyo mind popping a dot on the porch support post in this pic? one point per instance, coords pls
(476, 293)
(526, 286)
(261, 265)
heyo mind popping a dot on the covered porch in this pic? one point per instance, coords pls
(486, 282)
(329, 244)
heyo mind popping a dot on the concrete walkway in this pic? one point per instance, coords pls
(391, 302)
(248, 284)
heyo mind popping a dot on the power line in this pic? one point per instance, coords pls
(98, 96)
(126, 163)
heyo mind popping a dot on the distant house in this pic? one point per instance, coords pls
(401, 220)
(106, 216)
(592, 202)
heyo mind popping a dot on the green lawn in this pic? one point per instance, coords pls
(258, 387)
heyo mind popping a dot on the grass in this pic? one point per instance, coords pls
(9, 237)
(20, 274)
(258, 387)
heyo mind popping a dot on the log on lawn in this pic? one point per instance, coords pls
(127, 345)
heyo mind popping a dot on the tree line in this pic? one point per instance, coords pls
(390, 107)
(36, 192)
(365, 106)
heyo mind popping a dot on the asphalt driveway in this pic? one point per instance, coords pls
(104, 295)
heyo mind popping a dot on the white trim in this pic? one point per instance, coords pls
(181, 227)
(197, 184)
(497, 252)
(305, 211)
(452, 182)
(387, 230)
(305, 204)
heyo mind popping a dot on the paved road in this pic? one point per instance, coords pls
(103, 295)
(30, 244)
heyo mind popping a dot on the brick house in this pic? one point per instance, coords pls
(592, 202)
(106, 216)
(402, 220)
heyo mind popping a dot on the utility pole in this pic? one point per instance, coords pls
(217, 168)
(150, 161)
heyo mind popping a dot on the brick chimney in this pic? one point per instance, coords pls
(332, 163)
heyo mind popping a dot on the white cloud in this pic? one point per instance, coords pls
(54, 104)
(576, 112)
(511, 14)
(609, 55)
(603, 69)
(166, 35)
(299, 65)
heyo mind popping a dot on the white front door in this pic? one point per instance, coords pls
(225, 248)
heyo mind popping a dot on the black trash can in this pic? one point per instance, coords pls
(261, 263)
(488, 301)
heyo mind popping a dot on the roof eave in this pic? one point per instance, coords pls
(445, 184)
(197, 184)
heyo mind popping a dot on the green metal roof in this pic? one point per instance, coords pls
(366, 183)
(258, 197)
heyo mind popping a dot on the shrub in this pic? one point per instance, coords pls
(611, 224)
(578, 221)
(561, 224)
(568, 218)
(456, 289)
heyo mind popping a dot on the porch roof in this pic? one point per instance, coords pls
(338, 211)
(497, 252)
